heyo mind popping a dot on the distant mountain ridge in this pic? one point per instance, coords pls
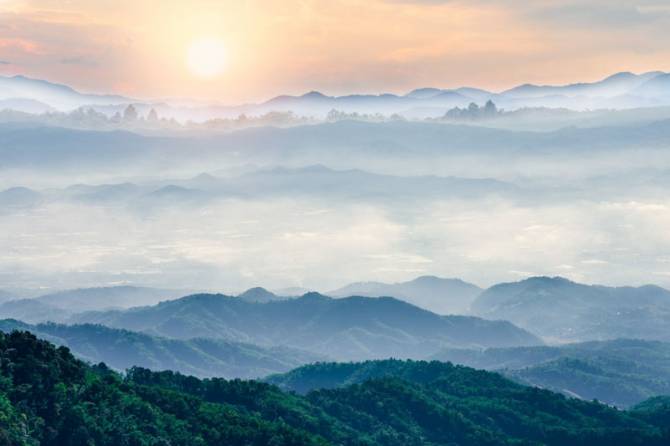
(58, 306)
(614, 85)
(101, 298)
(24, 145)
(344, 328)
(53, 94)
(307, 181)
(260, 295)
(441, 296)
(620, 90)
(557, 308)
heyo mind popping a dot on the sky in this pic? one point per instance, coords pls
(141, 47)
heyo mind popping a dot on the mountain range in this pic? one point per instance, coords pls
(621, 90)
(58, 306)
(343, 329)
(441, 296)
(122, 296)
(341, 145)
(52, 95)
(307, 181)
(555, 309)
(561, 310)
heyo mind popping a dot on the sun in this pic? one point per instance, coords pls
(206, 57)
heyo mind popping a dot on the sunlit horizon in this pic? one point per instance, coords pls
(338, 48)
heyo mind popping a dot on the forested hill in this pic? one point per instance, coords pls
(48, 397)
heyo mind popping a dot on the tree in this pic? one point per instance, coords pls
(490, 109)
(152, 116)
(130, 113)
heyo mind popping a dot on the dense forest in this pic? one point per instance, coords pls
(48, 397)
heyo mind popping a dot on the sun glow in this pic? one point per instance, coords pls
(206, 57)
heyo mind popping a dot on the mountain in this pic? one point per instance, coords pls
(429, 385)
(60, 305)
(19, 198)
(123, 349)
(557, 308)
(54, 95)
(654, 410)
(441, 296)
(317, 104)
(656, 87)
(424, 93)
(6, 295)
(32, 311)
(614, 85)
(345, 328)
(431, 404)
(102, 298)
(259, 295)
(25, 105)
(621, 372)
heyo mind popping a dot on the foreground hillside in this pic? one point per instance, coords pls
(123, 349)
(621, 372)
(351, 328)
(47, 397)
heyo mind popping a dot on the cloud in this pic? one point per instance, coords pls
(570, 13)
(598, 14)
(79, 60)
(5, 62)
(25, 45)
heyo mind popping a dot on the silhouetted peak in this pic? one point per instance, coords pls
(258, 294)
(314, 95)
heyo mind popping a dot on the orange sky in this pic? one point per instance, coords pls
(275, 47)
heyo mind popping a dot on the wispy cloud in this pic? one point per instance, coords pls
(79, 60)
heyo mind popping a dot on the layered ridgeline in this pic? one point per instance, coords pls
(60, 305)
(123, 349)
(441, 296)
(620, 90)
(343, 329)
(47, 397)
(304, 182)
(621, 372)
(411, 143)
(558, 309)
